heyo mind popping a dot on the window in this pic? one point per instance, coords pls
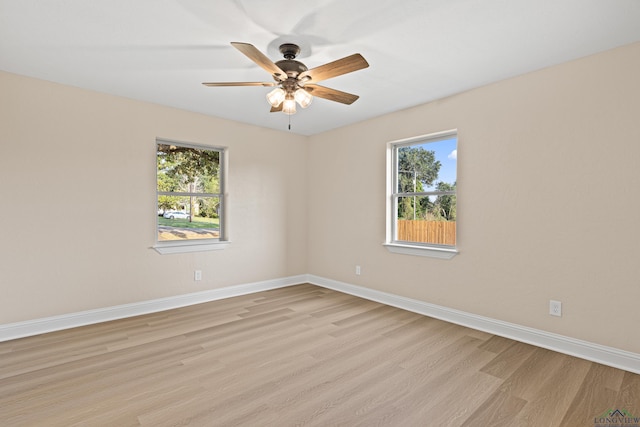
(190, 196)
(422, 204)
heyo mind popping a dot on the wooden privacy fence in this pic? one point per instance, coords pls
(437, 232)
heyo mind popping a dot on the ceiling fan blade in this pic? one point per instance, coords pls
(331, 94)
(261, 59)
(277, 109)
(222, 84)
(342, 66)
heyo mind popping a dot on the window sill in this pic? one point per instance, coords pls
(185, 247)
(426, 251)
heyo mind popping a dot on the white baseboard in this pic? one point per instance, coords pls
(585, 350)
(609, 356)
(66, 321)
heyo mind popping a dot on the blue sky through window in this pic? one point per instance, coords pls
(446, 152)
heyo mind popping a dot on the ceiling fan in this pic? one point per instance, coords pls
(293, 81)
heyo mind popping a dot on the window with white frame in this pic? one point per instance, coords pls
(190, 195)
(422, 202)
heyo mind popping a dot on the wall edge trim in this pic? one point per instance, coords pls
(605, 355)
(43, 325)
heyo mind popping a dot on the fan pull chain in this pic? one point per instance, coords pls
(289, 121)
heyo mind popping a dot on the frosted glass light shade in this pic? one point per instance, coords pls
(289, 106)
(303, 97)
(276, 96)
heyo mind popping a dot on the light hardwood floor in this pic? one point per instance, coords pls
(301, 355)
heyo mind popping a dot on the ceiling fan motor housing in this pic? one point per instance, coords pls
(292, 67)
(289, 65)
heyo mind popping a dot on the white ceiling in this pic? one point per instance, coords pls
(418, 50)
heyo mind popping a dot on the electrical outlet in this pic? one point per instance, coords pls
(358, 270)
(555, 308)
(197, 275)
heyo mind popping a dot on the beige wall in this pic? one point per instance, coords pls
(549, 196)
(77, 174)
(548, 201)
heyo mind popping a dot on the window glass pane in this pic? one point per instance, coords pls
(187, 169)
(189, 191)
(188, 218)
(426, 167)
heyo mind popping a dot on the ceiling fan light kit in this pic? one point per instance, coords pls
(289, 92)
(293, 81)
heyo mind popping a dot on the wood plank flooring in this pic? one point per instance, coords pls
(298, 356)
